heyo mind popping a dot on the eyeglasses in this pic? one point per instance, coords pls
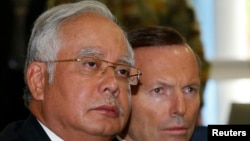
(93, 66)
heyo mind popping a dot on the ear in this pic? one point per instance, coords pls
(36, 78)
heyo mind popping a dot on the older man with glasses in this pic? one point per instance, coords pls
(78, 78)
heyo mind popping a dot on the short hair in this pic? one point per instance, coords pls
(154, 36)
(43, 43)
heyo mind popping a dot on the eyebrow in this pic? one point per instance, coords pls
(94, 52)
(90, 51)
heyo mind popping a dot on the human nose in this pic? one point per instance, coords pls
(178, 104)
(109, 82)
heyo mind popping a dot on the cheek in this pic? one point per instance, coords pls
(73, 90)
(125, 101)
(147, 115)
(195, 103)
(145, 107)
(193, 107)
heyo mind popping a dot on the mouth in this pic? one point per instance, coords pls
(176, 130)
(108, 110)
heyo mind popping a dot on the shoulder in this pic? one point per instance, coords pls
(200, 133)
(24, 130)
(10, 132)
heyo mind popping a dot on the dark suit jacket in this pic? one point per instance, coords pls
(27, 130)
(200, 133)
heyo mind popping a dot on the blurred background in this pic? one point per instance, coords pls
(218, 30)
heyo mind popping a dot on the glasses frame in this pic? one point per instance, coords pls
(108, 62)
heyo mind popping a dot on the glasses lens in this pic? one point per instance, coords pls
(134, 76)
(127, 73)
(93, 66)
(123, 71)
(90, 66)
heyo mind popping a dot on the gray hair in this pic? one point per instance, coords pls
(43, 43)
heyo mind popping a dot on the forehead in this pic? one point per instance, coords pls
(92, 30)
(175, 57)
(170, 50)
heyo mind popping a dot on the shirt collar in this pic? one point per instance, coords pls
(51, 134)
(119, 138)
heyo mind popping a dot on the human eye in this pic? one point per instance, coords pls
(90, 63)
(162, 90)
(123, 71)
(190, 90)
(158, 91)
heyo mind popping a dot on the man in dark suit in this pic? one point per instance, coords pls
(78, 80)
(166, 103)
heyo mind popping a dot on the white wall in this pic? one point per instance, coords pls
(223, 26)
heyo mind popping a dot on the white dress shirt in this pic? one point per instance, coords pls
(51, 134)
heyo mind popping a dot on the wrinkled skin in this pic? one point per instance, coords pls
(166, 105)
(77, 106)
